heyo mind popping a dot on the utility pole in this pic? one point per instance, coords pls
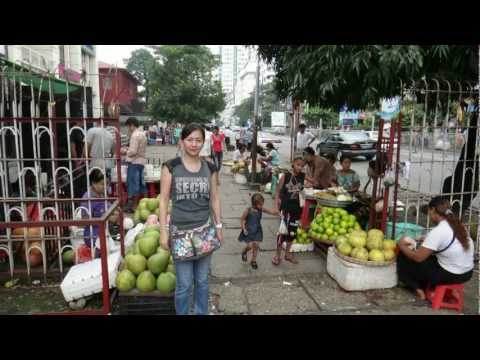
(255, 123)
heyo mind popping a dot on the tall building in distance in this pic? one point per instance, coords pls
(236, 73)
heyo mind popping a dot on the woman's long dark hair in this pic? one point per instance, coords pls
(442, 207)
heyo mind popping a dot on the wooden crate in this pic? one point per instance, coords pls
(151, 303)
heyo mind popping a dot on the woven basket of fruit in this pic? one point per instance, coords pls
(363, 262)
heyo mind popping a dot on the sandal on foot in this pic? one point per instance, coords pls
(291, 259)
(276, 260)
(244, 257)
(254, 265)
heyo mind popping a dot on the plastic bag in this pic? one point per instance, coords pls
(282, 229)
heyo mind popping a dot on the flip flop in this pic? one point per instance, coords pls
(254, 265)
(244, 257)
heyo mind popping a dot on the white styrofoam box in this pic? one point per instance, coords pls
(86, 279)
(355, 277)
(300, 247)
(240, 179)
(124, 173)
(148, 169)
(152, 172)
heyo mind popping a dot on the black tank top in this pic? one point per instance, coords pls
(290, 193)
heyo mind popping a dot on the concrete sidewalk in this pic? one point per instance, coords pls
(305, 288)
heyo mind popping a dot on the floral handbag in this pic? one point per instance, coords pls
(195, 243)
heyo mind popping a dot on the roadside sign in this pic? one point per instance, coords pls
(346, 117)
(279, 119)
(390, 108)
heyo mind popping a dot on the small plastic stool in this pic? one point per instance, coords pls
(442, 296)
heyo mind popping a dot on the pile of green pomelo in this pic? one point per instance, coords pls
(332, 223)
(366, 246)
(147, 266)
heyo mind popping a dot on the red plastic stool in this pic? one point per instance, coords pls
(305, 217)
(442, 296)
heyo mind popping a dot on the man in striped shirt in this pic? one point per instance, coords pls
(136, 159)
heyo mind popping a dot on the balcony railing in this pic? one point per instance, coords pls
(32, 58)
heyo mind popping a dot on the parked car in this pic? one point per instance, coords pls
(279, 130)
(351, 143)
(264, 138)
(373, 135)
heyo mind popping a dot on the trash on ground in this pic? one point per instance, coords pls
(11, 283)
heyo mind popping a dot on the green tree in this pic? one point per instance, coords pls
(141, 65)
(313, 114)
(360, 75)
(244, 110)
(182, 88)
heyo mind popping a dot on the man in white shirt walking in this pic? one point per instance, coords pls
(304, 138)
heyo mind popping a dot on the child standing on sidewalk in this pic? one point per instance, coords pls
(252, 232)
(287, 199)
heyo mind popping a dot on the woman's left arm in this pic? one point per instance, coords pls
(273, 212)
(419, 255)
(215, 204)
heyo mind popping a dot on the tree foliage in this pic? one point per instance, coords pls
(313, 114)
(182, 87)
(141, 65)
(360, 75)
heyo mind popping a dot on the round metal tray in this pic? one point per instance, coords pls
(335, 203)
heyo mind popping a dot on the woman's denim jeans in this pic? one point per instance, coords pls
(192, 274)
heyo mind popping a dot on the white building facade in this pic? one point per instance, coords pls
(73, 63)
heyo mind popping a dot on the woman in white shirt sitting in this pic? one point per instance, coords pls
(240, 154)
(445, 256)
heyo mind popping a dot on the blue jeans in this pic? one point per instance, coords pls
(193, 273)
(135, 180)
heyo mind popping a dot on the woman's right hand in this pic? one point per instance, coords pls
(164, 240)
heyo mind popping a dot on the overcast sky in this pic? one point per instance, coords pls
(114, 54)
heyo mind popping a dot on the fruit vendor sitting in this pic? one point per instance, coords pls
(240, 158)
(96, 207)
(446, 256)
(346, 177)
(321, 171)
(240, 154)
(268, 162)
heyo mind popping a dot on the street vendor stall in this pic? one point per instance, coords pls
(152, 179)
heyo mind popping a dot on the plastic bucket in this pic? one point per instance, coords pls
(404, 229)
